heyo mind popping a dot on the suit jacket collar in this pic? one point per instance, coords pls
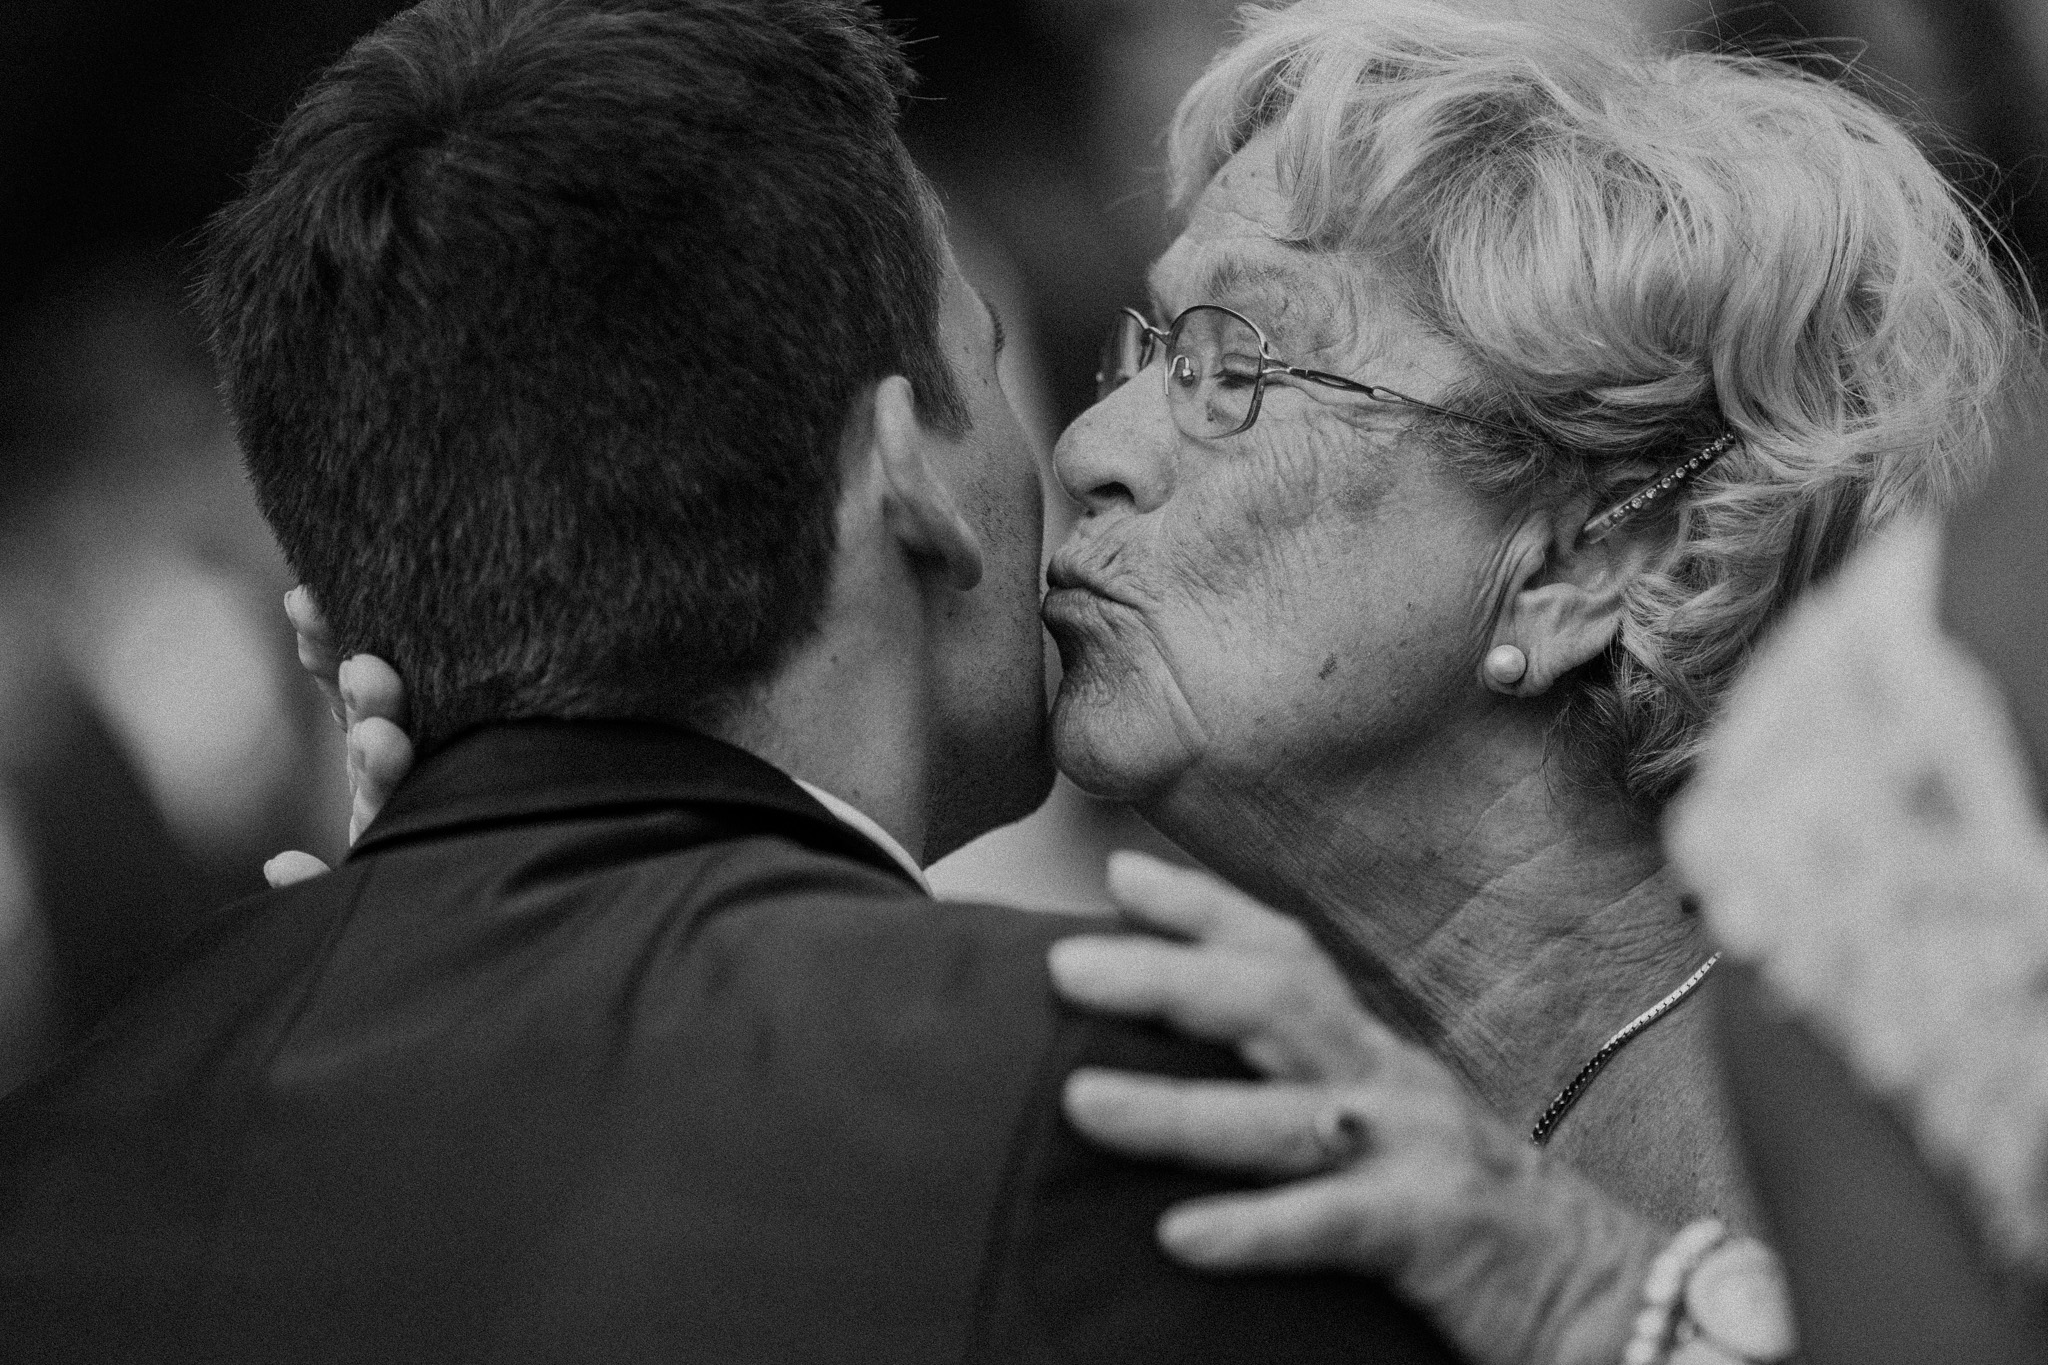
(530, 770)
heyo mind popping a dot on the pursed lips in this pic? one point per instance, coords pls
(1067, 574)
(1083, 613)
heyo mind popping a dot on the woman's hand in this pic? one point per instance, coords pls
(368, 699)
(1399, 1171)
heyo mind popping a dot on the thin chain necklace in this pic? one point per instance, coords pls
(1569, 1096)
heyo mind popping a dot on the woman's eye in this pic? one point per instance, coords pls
(1237, 372)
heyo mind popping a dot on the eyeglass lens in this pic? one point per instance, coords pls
(1213, 359)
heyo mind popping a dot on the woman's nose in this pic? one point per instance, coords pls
(1120, 452)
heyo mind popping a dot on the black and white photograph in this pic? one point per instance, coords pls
(1023, 682)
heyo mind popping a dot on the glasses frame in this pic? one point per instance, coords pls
(1158, 343)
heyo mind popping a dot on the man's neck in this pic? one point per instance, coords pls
(849, 716)
(1485, 906)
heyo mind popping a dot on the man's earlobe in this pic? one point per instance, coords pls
(923, 514)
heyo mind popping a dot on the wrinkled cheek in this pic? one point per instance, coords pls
(1247, 567)
(1221, 562)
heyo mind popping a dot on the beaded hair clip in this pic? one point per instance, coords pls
(1598, 528)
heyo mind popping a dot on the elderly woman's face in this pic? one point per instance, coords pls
(1308, 597)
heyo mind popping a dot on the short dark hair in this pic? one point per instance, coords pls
(540, 321)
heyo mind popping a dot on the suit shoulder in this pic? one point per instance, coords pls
(811, 911)
(813, 920)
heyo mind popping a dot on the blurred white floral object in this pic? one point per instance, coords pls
(1863, 828)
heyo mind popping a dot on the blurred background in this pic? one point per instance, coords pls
(156, 739)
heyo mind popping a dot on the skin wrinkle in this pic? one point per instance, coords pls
(1318, 319)
(1620, 933)
(1455, 966)
(1303, 317)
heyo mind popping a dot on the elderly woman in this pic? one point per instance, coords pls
(1503, 388)
(1511, 381)
(1508, 385)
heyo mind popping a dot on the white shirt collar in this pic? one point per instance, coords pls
(853, 815)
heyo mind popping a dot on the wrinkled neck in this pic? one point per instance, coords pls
(1497, 913)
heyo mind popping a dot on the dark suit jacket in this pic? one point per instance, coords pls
(609, 1044)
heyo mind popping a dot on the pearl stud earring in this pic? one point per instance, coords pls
(1505, 665)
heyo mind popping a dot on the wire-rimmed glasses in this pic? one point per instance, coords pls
(1218, 363)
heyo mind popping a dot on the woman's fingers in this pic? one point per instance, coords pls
(1157, 895)
(379, 757)
(1334, 1223)
(358, 687)
(317, 657)
(1273, 1131)
(371, 688)
(316, 647)
(1249, 977)
(368, 697)
(1288, 1015)
(290, 868)
(1215, 994)
(1276, 1131)
(315, 641)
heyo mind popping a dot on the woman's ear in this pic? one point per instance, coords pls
(920, 510)
(1565, 601)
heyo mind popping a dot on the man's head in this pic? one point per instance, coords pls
(542, 321)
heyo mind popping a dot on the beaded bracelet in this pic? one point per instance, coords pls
(1721, 1298)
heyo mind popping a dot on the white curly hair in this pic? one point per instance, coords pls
(1638, 250)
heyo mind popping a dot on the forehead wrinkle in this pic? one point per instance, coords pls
(1274, 294)
(1291, 303)
(1239, 275)
(1313, 302)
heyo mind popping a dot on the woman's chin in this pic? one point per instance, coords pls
(1113, 751)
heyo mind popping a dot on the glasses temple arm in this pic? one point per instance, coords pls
(1384, 395)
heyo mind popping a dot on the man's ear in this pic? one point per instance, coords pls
(921, 510)
(1564, 601)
